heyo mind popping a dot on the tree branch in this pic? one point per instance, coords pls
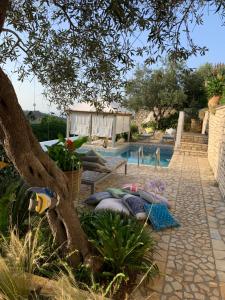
(3, 8)
(61, 7)
(19, 40)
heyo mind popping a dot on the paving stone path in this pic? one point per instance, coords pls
(191, 258)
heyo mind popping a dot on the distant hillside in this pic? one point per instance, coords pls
(46, 126)
(35, 117)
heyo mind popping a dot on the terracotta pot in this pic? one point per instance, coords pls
(214, 101)
(75, 183)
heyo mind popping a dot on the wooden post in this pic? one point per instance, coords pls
(68, 125)
(128, 139)
(114, 131)
(90, 128)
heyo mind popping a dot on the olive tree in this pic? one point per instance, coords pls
(80, 49)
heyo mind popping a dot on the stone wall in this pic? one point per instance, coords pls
(216, 146)
(141, 116)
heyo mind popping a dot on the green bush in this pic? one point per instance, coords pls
(133, 128)
(49, 128)
(125, 246)
(168, 122)
(149, 124)
(14, 203)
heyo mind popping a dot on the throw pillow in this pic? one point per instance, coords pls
(97, 197)
(154, 198)
(113, 204)
(136, 206)
(160, 217)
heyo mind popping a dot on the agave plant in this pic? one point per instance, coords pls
(124, 244)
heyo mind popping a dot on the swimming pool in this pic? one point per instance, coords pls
(131, 154)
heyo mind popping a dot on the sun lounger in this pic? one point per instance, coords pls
(169, 135)
(92, 177)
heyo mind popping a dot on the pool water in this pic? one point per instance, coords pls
(131, 154)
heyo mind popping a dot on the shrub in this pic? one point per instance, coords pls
(133, 128)
(14, 203)
(168, 122)
(49, 128)
(124, 244)
(149, 124)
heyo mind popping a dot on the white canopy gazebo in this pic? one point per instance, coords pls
(83, 119)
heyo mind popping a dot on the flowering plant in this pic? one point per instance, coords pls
(64, 153)
(157, 186)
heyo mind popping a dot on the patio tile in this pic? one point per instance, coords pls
(191, 257)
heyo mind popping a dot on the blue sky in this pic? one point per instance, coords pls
(211, 35)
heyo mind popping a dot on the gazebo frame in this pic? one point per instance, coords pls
(91, 114)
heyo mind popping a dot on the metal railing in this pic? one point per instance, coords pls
(157, 157)
(140, 155)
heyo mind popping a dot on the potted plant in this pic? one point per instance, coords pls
(69, 161)
(215, 86)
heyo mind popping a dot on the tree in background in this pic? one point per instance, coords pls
(194, 89)
(49, 128)
(158, 91)
(80, 50)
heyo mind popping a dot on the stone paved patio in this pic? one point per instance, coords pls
(191, 258)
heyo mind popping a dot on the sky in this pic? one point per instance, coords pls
(211, 34)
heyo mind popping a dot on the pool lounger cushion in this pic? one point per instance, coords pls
(93, 166)
(160, 217)
(97, 155)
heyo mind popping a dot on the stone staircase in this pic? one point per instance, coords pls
(193, 144)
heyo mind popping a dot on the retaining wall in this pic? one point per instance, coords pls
(216, 146)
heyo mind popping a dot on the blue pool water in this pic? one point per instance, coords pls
(131, 154)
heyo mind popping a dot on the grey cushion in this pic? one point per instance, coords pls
(94, 159)
(146, 196)
(97, 197)
(113, 204)
(94, 153)
(92, 166)
(136, 206)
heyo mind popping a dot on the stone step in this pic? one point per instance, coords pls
(191, 153)
(194, 138)
(193, 146)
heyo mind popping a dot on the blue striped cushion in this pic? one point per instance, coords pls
(160, 217)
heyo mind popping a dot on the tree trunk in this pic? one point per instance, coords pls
(38, 169)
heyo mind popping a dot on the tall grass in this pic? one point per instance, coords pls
(26, 253)
(14, 284)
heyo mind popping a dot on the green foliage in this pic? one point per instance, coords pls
(133, 128)
(193, 83)
(149, 124)
(123, 243)
(49, 128)
(216, 86)
(168, 122)
(6, 174)
(158, 91)
(83, 57)
(64, 153)
(14, 284)
(14, 203)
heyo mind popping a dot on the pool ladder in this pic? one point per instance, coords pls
(140, 155)
(157, 156)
